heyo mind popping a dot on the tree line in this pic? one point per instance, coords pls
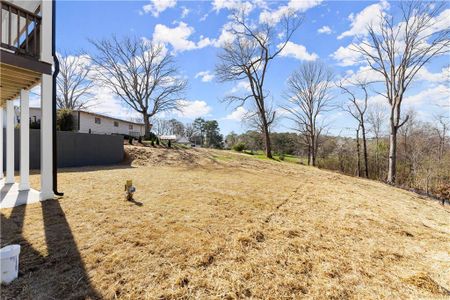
(423, 153)
(201, 132)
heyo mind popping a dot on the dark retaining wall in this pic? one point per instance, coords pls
(74, 149)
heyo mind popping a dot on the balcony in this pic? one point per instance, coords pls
(20, 32)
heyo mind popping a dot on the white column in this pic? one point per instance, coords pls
(10, 141)
(46, 138)
(46, 31)
(1, 142)
(46, 104)
(24, 141)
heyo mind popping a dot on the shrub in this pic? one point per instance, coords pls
(130, 140)
(64, 120)
(35, 124)
(281, 156)
(151, 137)
(239, 147)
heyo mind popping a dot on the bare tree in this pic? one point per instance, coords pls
(248, 57)
(308, 96)
(73, 83)
(442, 123)
(176, 127)
(161, 126)
(141, 73)
(398, 51)
(255, 122)
(357, 108)
(376, 118)
(189, 131)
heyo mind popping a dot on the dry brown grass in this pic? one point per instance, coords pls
(214, 224)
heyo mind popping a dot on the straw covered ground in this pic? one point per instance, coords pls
(212, 224)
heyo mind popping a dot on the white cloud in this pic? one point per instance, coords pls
(436, 95)
(194, 109)
(324, 30)
(35, 96)
(178, 37)
(105, 102)
(364, 74)
(441, 22)
(155, 7)
(226, 35)
(293, 6)
(231, 5)
(205, 76)
(348, 56)
(185, 12)
(425, 75)
(240, 86)
(369, 15)
(378, 100)
(237, 115)
(297, 51)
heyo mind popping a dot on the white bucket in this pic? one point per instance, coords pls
(9, 256)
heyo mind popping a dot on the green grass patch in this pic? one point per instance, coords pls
(287, 157)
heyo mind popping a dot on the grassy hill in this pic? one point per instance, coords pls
(215, 224)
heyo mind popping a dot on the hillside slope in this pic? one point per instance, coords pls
(216, 224)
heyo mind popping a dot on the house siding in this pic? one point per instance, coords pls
(86, 123)
(106, 126)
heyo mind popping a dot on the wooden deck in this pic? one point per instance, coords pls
(13, 79)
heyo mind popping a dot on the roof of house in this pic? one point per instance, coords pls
(168, 137)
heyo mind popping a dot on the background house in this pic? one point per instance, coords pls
(88, 122)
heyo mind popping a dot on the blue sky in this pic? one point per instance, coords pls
(192, 31)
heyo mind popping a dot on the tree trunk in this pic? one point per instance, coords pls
(309, 153)
(366, 158)
(308, 140)
(377, 159)
(267, 142)
(358, 154)
(392, 170)
(147, 126)
(266, 135)
(313, 151)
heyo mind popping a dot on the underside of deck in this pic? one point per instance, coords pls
(18, 72)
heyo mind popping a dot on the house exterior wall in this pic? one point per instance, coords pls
(35, 114)
(106, 126)
(87, 122)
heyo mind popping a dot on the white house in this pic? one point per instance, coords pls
(27, 59)
(89, 122)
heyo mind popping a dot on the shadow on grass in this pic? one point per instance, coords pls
(95, 168)
(137, 203)
(60, 274)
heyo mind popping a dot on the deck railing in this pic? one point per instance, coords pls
(20, 30)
